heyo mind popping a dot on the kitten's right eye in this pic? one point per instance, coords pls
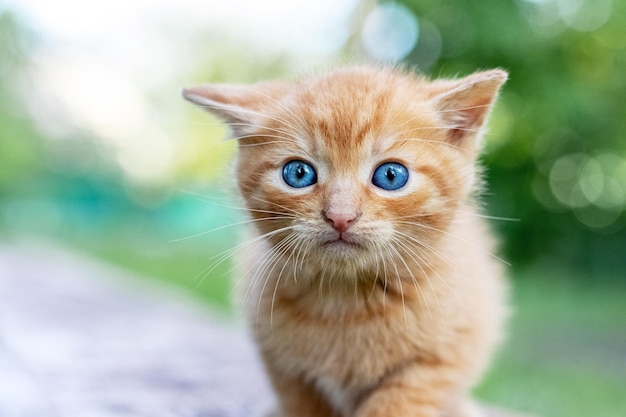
(299, 174)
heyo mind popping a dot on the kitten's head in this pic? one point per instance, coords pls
(356, 165)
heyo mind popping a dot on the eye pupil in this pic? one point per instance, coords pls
(300, 172)
(390, 176)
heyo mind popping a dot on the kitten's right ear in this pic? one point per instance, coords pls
(232, 103)
(244, 107)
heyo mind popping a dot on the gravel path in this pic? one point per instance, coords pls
(82, 339)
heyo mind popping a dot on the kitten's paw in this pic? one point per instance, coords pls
(470, 409)
(466, 408)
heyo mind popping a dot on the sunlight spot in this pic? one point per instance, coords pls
(613, 196)
(93, 97)
(564, 180)
(428, 49)
(591, 179)
(585, 15)
(593, 186)
(390, 32)
(596, 218)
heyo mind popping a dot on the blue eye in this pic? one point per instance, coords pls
(390, 176)
(299, 174)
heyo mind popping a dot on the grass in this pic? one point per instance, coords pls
(565, 357)
(566, 354)
(195, 267)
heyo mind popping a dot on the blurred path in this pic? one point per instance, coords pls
(82, 339)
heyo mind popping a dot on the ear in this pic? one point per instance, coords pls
(225, 101)
(465, 104)
(243, 107)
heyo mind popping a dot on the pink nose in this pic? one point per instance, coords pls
(341, 221)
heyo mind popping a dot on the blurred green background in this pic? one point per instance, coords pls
(99, 154)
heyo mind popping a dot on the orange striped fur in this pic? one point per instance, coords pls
(366, 302)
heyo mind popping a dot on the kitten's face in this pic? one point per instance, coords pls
(358, 166)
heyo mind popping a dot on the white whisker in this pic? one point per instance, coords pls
(283, 107)
(224, 227)
(255, 113)
(424, 226)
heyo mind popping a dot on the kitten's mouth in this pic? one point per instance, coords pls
(342, 243)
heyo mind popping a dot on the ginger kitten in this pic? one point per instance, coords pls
(372, 291)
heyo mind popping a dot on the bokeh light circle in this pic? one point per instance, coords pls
(593, 186)
(390, 32)
(585, 15)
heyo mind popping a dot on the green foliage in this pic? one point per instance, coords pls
(20, 148)
(565, 97)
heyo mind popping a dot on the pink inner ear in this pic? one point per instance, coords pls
(466, 104)
(225, 101)
(238, 105)
(467, 120)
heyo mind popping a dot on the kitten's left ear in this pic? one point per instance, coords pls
(465, 104)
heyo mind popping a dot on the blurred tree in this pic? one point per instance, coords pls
(40, 185)
(556, 155)
(20, 149)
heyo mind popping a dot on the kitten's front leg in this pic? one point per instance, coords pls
(415, 391)
(299, 398)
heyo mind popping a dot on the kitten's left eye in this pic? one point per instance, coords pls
(299, 174)
(390, 176)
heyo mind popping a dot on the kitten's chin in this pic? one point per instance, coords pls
(343, 248)
(342, 258)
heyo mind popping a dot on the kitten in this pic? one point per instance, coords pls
(372, 291)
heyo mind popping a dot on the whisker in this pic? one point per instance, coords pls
(427, 246)
(251, 145)
(273, 203)
(262, 270)
(415, 282)
(224, 227)
(388, 249)
(224, 255)
(435, 271)
(488, 217)
(208, 200)
(434, 142)
(283, 139)
(424, 226)
(464, 129)
(255, 113)
(478, 106)
(280, 274)
(413, 279)
(298, 117)
(439, 111)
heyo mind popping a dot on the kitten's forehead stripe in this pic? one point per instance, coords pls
(343, 110)
(359, 115)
